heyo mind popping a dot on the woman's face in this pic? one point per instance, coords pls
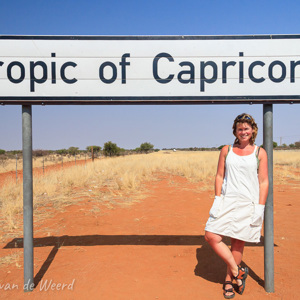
(243, 132)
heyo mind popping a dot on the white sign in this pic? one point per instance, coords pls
(146, 69)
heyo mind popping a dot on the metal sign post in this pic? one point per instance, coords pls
(268, 225)
(27, 197)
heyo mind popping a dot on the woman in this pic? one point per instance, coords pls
(241, 189)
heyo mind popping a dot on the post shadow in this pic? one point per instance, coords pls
(209, 266)
(212, 268)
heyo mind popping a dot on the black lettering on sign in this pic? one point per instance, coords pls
(293, 66)
(33, 79)
(190, 72)
(63, 72)
(123, 65)
(250, 70)
(114, 72)
(9, 73)
(155, 67)
(203, 78)
(283, 71)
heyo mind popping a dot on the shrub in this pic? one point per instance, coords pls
(73, 150)
(39, 153)
(62, 151)
(146, 147)
(111, 149)
(95, 148)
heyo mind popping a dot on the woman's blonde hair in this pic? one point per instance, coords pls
(245, 118)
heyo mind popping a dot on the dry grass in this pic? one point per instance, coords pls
(7, 165)
(15, 257)
(115, 181)
(109, 181)
(286, 166)
(289, 158)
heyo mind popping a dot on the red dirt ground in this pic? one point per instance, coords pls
(152, 249)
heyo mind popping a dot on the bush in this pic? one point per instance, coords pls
(39, 153)
(62, 151)
(14, 152)
(2, 151)
(3, 160)
(73, 150)
(95, 148)
(111, 149)
(146, 147)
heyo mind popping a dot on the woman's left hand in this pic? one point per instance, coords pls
(258, 216)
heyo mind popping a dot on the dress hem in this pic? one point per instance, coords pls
(234, 237)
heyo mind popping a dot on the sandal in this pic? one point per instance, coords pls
(242, 275)
(230, 290)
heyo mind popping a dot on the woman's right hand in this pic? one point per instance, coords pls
(214, 211)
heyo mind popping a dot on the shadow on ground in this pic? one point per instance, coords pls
(209, 267)
(212, 268)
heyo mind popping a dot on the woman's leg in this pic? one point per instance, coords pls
(215, 241)
(224, 252)
(237, 249)
(231, 257)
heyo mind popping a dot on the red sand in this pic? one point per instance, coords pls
(153, 249)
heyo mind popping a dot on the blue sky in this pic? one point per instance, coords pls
(56, 127)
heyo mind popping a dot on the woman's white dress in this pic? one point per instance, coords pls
(240, 191)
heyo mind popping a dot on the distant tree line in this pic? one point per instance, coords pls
(193, 149)
(296, 145)
(112, 149)
(109, 149)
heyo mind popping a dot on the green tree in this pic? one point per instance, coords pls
(73, 150)
(95, 148)
(275, 144)
(111, 149)
(146, 147)
(292, 145)
(62, 151)
(2, 151)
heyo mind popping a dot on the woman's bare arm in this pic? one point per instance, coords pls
(263, 176)
(220, 171)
